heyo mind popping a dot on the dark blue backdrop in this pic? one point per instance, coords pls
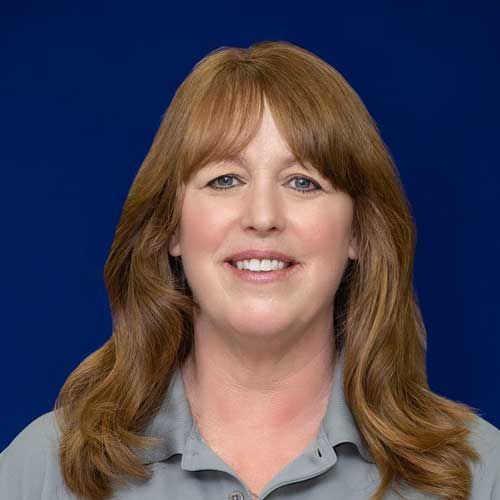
(83, 90)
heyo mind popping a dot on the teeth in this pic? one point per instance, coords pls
(260, 265)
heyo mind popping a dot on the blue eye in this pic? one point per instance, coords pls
(308, 182)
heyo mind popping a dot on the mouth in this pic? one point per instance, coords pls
(260, 254)
(287, 264)
(263, 276)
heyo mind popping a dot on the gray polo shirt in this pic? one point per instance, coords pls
(336, 465)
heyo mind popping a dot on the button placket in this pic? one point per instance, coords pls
(236, 495)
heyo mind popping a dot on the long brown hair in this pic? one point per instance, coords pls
(415, 436)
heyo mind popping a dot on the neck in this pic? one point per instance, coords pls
(284, 392)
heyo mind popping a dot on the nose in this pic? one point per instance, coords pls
(263, 207)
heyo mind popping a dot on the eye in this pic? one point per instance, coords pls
(305, 181)
(309, 182)
(213, 185)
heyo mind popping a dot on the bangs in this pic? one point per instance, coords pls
(311, 114)
(225, 119)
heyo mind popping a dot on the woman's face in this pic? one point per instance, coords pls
(264, 209)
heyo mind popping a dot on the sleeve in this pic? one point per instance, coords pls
(28, 462)
(493, 471)
(486, 473)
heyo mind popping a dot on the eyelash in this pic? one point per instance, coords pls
(303, 191)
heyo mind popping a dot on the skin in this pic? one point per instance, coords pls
(261, 370)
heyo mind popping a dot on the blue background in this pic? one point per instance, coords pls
(84, 87)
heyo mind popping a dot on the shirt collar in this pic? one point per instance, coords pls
(173, 423)
(339, 423)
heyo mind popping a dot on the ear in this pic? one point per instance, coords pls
(353, 252)
(174, 246)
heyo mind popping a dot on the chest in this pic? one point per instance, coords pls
(257, 459)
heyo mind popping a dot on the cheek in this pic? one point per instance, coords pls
(327, 236)
(326, 242)
(202, 225)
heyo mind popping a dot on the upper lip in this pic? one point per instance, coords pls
(260, 254)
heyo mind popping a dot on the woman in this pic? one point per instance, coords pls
(267, 340)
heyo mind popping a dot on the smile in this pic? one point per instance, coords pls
(260, 274)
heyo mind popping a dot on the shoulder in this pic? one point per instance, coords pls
(485, 439)
(29, 466)
(40, 431)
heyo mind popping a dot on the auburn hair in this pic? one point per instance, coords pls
(415, 436)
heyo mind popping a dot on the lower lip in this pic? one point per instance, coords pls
(262, 276)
